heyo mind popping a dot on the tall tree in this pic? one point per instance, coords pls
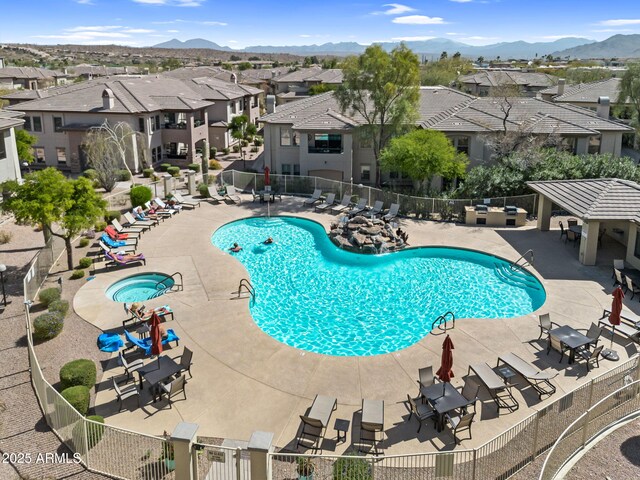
(242, 130)
(383, 88)
(118, 138)
(104, 157)
(630, 92)
(422, 154)
(47, 197)
(25, 143)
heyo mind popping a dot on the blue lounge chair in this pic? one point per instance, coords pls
(144, 344)
(112, 243)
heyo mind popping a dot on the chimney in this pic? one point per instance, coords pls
(603, 107)
(271, 104)
(234, 78)
(108, 100)
(561, 83)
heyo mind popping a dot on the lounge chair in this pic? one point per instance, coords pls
(629, 325)
(215, 196)
(359, 208)
(344, 204)
(422, 411)
(392, 213)
(328, 203)
(232, 194)
(113, 259)
(184, 202)
(160, 214)
(137, 231)
(315, 197)
(499, 391)
(116, 244)
(540, 381)
(314, 425)
(137, 317)
(377, 208)
(114, 235)
(372, 422)
(113, 250)
(132, 222)
(167, 208)
(144, 344)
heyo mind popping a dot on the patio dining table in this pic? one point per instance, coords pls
(577, 229)
(156, 371)
(444, 398)
(572, 338)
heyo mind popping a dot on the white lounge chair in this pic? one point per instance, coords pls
(213, 195)
(130, 231)
(184, 202)
(344, 204)
(392, 213)
(328, 203)
(172, 209)
(314, 198)
(138, 223)
(539, 380)
(232, 194)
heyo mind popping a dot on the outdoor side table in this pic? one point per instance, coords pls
(342, 427)
(506, 373)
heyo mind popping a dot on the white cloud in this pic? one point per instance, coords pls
(94, 28)
(172, 3)
(173, 31)
(198, 22)
(419, 20)
(454, 33)
(417, 38)
(137, 30)
(232, 41)
(612, 30)
(620, 22)
(397, 9)
(85, 2)
(213, 23)
(84, 36)
(305, 36)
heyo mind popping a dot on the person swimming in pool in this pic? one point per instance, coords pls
(236, 248)
(268, 241)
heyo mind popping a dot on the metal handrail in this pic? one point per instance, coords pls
(179, 286)
(248, 287)
(526, 263)
(443, 321)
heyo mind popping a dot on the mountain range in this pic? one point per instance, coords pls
(616, 46)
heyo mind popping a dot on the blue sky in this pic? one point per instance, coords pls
(297, 22)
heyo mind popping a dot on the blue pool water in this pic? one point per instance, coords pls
(138, 288)
(316, 297)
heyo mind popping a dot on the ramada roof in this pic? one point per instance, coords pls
(10, 119)
(449, 110)
(587, 92)
(597, 199)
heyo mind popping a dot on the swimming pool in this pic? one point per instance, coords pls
(316, 297)
(140, 287)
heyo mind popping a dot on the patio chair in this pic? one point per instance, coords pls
(344, 204)
(144, 344)
(315, 197)
(160, 214)
(255, 195)
(116, 249)
(618, 280)
(630, 286)
(377, 208)
(213, 195)
(129, 368)
(314, 424)
(359, 208)
(173, 388)
(131, 230)
(328, 203)
(458, 423)
(371, 424)
(172, 209)
(554, 344)
(186, 361)
(563, 232)
(593, 333)
(470, 391)
(572, 237)
(425, 377)
(540, 381)
(546, 324)
(590, 357)
(113, 234)
(422, 411)
(116, 259)
(118, 244)
(232, 194)
(132, 222)
(124, 393)
(619, 264)
(184, 202)
(392, 213)
(495, 385)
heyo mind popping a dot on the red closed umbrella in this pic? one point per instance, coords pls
(156, 335)
(614, 319)
(267, 180)
(445, 373)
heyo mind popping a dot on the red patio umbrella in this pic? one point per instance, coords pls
(267, 180)
(614, 317)
(445, 373)
(156, 335)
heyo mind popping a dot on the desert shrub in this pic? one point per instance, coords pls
(245, 143)
(49, 295)
(236, 148)
(257, 141)
(90, 173)
(100, 226)
(59, 306)
(174, 171)
(78, 397)
(254, 149)
(215, 165)
(124, 175)
(140, 195)
(84, 242)
(47, 326)
(112, 215)
(213, 151)
(203, 190)
(78, 372)
(5, 237)
(147, 172)
(164, 167)
(85, 262)
(226, 150)
(351, 468)
(77, 273)
(194, 166)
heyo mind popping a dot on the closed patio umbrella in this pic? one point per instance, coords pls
(614, 319)
(445, 372)
(267, 180)
(156, 335)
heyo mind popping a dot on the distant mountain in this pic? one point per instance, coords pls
(432, 47)
(624, 46)
(193, 43)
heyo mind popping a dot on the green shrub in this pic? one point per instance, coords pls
(352, 468)
(91, 174)
(257, 141)
(78, 372)
(84, 242)
(215, 165)
(78, 397)
(85, 262)
(245, 143)
(194, 166)
(203, 190)
(49, 295)
(59, 306)
(140, 195)
(124, 175)
(226, 150)
(112, 215)
(147, 172)
(77, 274)
(174, 171)
(164, 167)
(236, 148)
(254, 149)
(100, 226)
(213, 151)
(47, 326)
(5, 237)
(94, 431)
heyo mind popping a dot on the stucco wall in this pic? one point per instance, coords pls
(9, 166)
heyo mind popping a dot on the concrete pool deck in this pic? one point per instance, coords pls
(244, 380)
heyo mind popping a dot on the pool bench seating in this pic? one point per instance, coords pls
(629, 325)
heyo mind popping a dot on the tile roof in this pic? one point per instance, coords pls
(216, 89)
(10, 119)
(329, 120)
(256, 75)
(102, 70)
(317, 74)
(587, 92)
(29, 72)
(491, 78)
(597, 199)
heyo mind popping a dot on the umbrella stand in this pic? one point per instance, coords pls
(609, 353)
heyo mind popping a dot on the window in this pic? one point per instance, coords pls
(286, 169)
(325, 143)
(296, 169)
(157, 120)
(594, 144)
(233, 107)
(38, 153)
(37, 124)
(57, 124)
(3, 148)
(365, 172)
(461, 144)
(27, 124)
(636, 250)
(141, 122)
(61, 155)
(285, 137)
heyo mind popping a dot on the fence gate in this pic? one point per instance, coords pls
(217, 462)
